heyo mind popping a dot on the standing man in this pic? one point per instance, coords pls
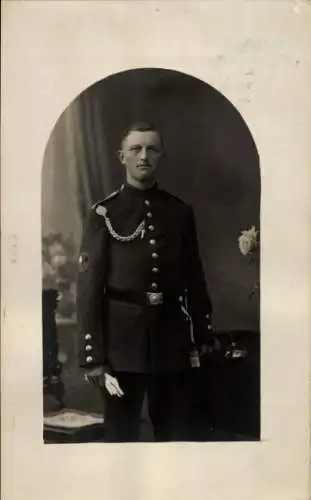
(142, 302)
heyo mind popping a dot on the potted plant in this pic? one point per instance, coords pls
(59, 268)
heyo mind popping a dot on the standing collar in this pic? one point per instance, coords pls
(139, 193)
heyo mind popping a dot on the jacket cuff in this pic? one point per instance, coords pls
(203, 331)
(106, 368)
(211, 341)
(91, 352)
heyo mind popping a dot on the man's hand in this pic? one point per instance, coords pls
(205, 348)
(112, 385)
(99, 377)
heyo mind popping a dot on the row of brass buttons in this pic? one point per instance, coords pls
(88, 348)
(153, 242)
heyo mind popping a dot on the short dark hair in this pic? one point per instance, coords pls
(140, 127)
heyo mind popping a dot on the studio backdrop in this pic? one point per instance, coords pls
(210, 161)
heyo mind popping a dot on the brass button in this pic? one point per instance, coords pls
(89, 359)
(154, 255)
(155, 269)
(154, 286)
(149, 215)
(88, 336)
(147, 202)
(151, 227)
(88, 347)
(152, 242)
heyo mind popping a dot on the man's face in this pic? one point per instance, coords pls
(140, 154)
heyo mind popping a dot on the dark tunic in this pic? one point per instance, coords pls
(138, 337)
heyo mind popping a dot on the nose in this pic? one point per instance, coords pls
(143, 154)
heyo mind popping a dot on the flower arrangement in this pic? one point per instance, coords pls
(59, 268)
(249, 245)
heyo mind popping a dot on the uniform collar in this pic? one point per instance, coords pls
(139, 193)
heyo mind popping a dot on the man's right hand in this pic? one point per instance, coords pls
(104, 379)
(112, 385)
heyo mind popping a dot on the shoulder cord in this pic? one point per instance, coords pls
(139, 231)
(184, 308)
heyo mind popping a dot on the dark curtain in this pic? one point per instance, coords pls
(94, 179)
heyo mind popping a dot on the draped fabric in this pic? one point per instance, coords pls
(75, 172)
(94, 180)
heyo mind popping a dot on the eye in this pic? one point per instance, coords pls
(135, 148)
(153, 149)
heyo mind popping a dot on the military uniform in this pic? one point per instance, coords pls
(142, 305)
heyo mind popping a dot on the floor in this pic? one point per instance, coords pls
(83, 428)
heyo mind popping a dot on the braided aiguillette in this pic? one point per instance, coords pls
(139, 231)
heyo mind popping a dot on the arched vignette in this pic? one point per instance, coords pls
(211, 162)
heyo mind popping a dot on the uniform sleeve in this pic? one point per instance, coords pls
(198, 300)
(90, 293)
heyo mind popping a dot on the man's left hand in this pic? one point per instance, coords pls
(207, 349)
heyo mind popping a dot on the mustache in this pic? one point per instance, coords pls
(143, 164)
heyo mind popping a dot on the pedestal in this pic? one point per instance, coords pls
(53, 388)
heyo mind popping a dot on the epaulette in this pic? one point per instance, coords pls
(174, 197)
(109, 197)
(112, 195)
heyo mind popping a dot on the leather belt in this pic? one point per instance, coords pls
(142, 298)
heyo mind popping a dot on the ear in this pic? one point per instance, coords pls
(121, 156)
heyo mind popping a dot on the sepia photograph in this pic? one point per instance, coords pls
(151, 265)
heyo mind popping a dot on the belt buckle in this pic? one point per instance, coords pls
(154, 298)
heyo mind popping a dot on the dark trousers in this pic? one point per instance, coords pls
(168, 406)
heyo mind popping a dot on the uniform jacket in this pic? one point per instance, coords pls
(161, 255)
